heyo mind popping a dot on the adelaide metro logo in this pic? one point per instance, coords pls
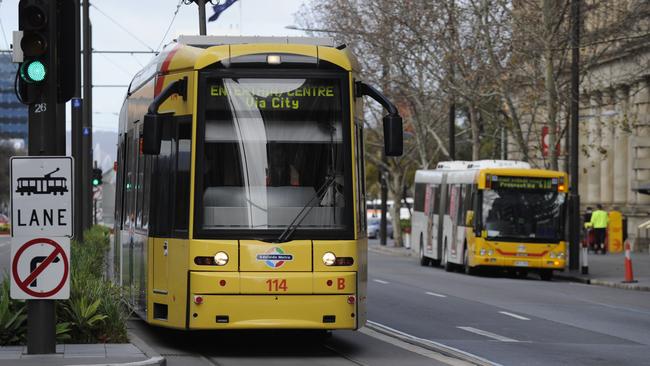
(275, 257)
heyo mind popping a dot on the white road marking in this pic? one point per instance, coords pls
(514, 315)
(488, 334)
(435, 294)
(381, 281)
(398, 334)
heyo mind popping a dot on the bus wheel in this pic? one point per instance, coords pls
(546, 274)
(445, 260)
(424, 261)
(468, 270)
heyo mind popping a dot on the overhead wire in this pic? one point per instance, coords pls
(122, 27)
(178, 7)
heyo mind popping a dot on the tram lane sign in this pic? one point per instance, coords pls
(40, 268)
(41, 196)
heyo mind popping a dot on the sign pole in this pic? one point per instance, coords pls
(44, 133)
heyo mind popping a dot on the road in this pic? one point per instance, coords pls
(511, 321)
(504, 320)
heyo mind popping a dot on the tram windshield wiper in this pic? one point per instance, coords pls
(291, 228)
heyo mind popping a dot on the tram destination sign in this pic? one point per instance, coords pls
(41, 196)
(507, 182)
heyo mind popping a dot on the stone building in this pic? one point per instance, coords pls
(614, 111)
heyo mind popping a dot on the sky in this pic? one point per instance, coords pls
(140, 25)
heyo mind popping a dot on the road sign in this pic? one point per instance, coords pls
(40, 268)
(41, 196)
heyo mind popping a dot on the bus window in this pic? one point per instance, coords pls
(420, 197)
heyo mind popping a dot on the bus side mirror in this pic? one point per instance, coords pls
(393, 135)
(152, 132)
(469, 219)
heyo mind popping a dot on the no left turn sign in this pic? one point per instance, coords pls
(40, 268)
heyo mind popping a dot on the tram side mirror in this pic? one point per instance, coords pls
(393, 136)
(152, 132)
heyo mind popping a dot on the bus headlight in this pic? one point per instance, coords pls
(329, 259)
(490, 252)
(483, 252)
(221, 259)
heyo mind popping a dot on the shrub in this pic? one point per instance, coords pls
(13, 316)
(95, 311)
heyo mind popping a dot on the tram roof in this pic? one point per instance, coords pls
(197, 52)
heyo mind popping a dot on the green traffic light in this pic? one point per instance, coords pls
(33, 72)
(95, 182)
(36, 71)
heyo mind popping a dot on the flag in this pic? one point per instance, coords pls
(220, 8)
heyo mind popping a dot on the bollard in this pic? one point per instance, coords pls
(629, 275)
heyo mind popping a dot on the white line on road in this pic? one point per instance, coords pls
(514, 315)
(487, 334)
(381, 281)
(460, 354)
(435, 294)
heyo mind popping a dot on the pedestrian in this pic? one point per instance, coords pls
(599, 220)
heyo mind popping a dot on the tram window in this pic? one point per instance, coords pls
(147, 192)
(139, 186)
(183, 157)
(161, 208)
(435, 191)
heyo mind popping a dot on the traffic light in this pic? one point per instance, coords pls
(48, 50)
(97, 177)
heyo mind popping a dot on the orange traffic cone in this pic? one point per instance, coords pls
(629, 275)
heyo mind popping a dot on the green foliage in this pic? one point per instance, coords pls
(13, 317)
(405, 225)
(95, 311)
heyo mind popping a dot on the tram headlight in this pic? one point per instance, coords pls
(483, 252)
(221, 259)
(490, 253)
(552, 255)
(329, 259)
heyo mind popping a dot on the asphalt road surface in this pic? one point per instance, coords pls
(511, 321)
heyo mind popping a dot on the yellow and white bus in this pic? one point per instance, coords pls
(490, 213)
(240, 196)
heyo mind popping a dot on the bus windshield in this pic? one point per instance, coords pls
(523, 215)
(269, 147)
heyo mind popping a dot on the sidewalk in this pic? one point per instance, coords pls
(604, 270)
(609, 270)
(85, 354)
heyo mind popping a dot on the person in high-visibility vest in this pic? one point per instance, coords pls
(599, 221)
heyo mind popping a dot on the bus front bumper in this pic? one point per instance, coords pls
(520, 262)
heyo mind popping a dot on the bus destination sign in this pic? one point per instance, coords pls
(506, 182)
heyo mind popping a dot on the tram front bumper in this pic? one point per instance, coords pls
(273, 300)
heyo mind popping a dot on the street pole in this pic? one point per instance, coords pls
(77, 120)
(574, 196)
(202, 27)
(383, 223)
(87, 124)
(46, 138)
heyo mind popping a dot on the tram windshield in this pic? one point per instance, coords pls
(274, 148)
(523, 215)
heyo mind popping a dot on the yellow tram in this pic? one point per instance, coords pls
(240, 200)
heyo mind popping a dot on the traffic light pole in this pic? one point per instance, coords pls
(77, 119)
(46, 138)
(87, 124)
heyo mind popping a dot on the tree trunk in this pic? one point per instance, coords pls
(549, 82)
(476, 131)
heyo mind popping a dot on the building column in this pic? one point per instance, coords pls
(607, 116)
(593, 161)
(642, 140)
(621, 136)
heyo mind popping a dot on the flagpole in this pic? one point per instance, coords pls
(202, 27)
